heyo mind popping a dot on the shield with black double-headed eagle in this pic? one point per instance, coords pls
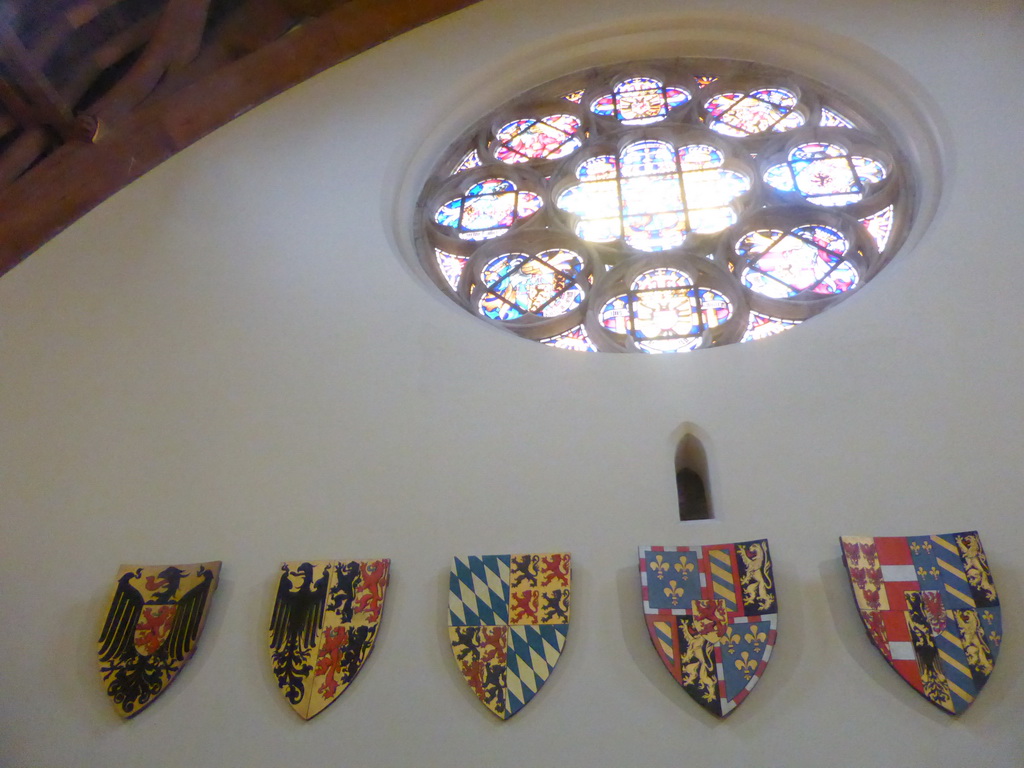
(508, 617)
(154, 621)
(930, 607)
(712, 615)
(324, 624)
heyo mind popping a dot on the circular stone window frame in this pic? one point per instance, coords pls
(855, 80)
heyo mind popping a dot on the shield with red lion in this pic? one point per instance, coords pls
(712, 614)
(508, 617)
(324, 624)
(154, 621)
(930, 606)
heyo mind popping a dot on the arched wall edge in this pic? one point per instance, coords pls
(860, 73)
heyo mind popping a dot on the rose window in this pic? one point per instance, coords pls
(664, 207)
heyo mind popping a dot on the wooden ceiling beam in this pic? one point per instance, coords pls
(16, 106)
(24, 150)
(76, 177)
(46, 105)
(176, 41)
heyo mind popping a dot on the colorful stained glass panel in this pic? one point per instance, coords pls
(646, 158)
(654, 232)
(661, 195)
(807, 258)
(640, 100)
(600, 167)
(761, 326)
(825, 174)
(832, 119)
(879, 226)
(528, 139)
(470, 160)
(451, 266)
(546, 285)
(665, 312)
(739, 114)
(488, 209)
(575, 339)
(699, 157)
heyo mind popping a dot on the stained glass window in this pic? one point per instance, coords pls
(748, 114)
(663, 311)
(575, 339)
(639, 101)
(826, 174)
(829, 117)
(470, 160)
(549, 137)
(784, 264)
(879, 226)
(451, 266)
(652, 195)
(547, 284)
(488, 209)
(664, 206)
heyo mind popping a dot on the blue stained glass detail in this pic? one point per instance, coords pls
(546, 285)
(488, 209)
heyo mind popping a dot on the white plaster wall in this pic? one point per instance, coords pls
(233, 359)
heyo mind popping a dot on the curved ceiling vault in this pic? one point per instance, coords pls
(94, 93)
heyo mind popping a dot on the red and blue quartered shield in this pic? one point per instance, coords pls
(712, 616)
(324, 624)
(930, 606)
(508, 617)
(154, 621)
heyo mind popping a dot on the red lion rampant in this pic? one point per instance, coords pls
(328, 661)
(374, 576)
(556, 568)
(524, 607)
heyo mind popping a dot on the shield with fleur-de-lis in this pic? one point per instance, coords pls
(930, 606)
(324, 624)
(155, 618)
(508, 617)
(712, 616)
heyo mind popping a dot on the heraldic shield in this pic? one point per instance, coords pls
(929, 605)
(508, 617)
(155, 618)
(712, 616)
(324, 624)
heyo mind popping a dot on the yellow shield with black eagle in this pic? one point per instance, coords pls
(155, 618)
(325, 621)
(712, 615)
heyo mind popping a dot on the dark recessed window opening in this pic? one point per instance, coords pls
(691, 480)
(693, 498)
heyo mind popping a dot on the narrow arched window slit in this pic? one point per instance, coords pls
(691, 480)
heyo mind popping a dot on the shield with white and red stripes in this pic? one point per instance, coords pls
(930, 606)
(712, 615)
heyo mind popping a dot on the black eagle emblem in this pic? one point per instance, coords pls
(150, 631)
(298, 616)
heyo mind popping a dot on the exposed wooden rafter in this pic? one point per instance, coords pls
(156, 108)
(40, 103)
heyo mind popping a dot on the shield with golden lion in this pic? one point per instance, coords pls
(712, 614)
